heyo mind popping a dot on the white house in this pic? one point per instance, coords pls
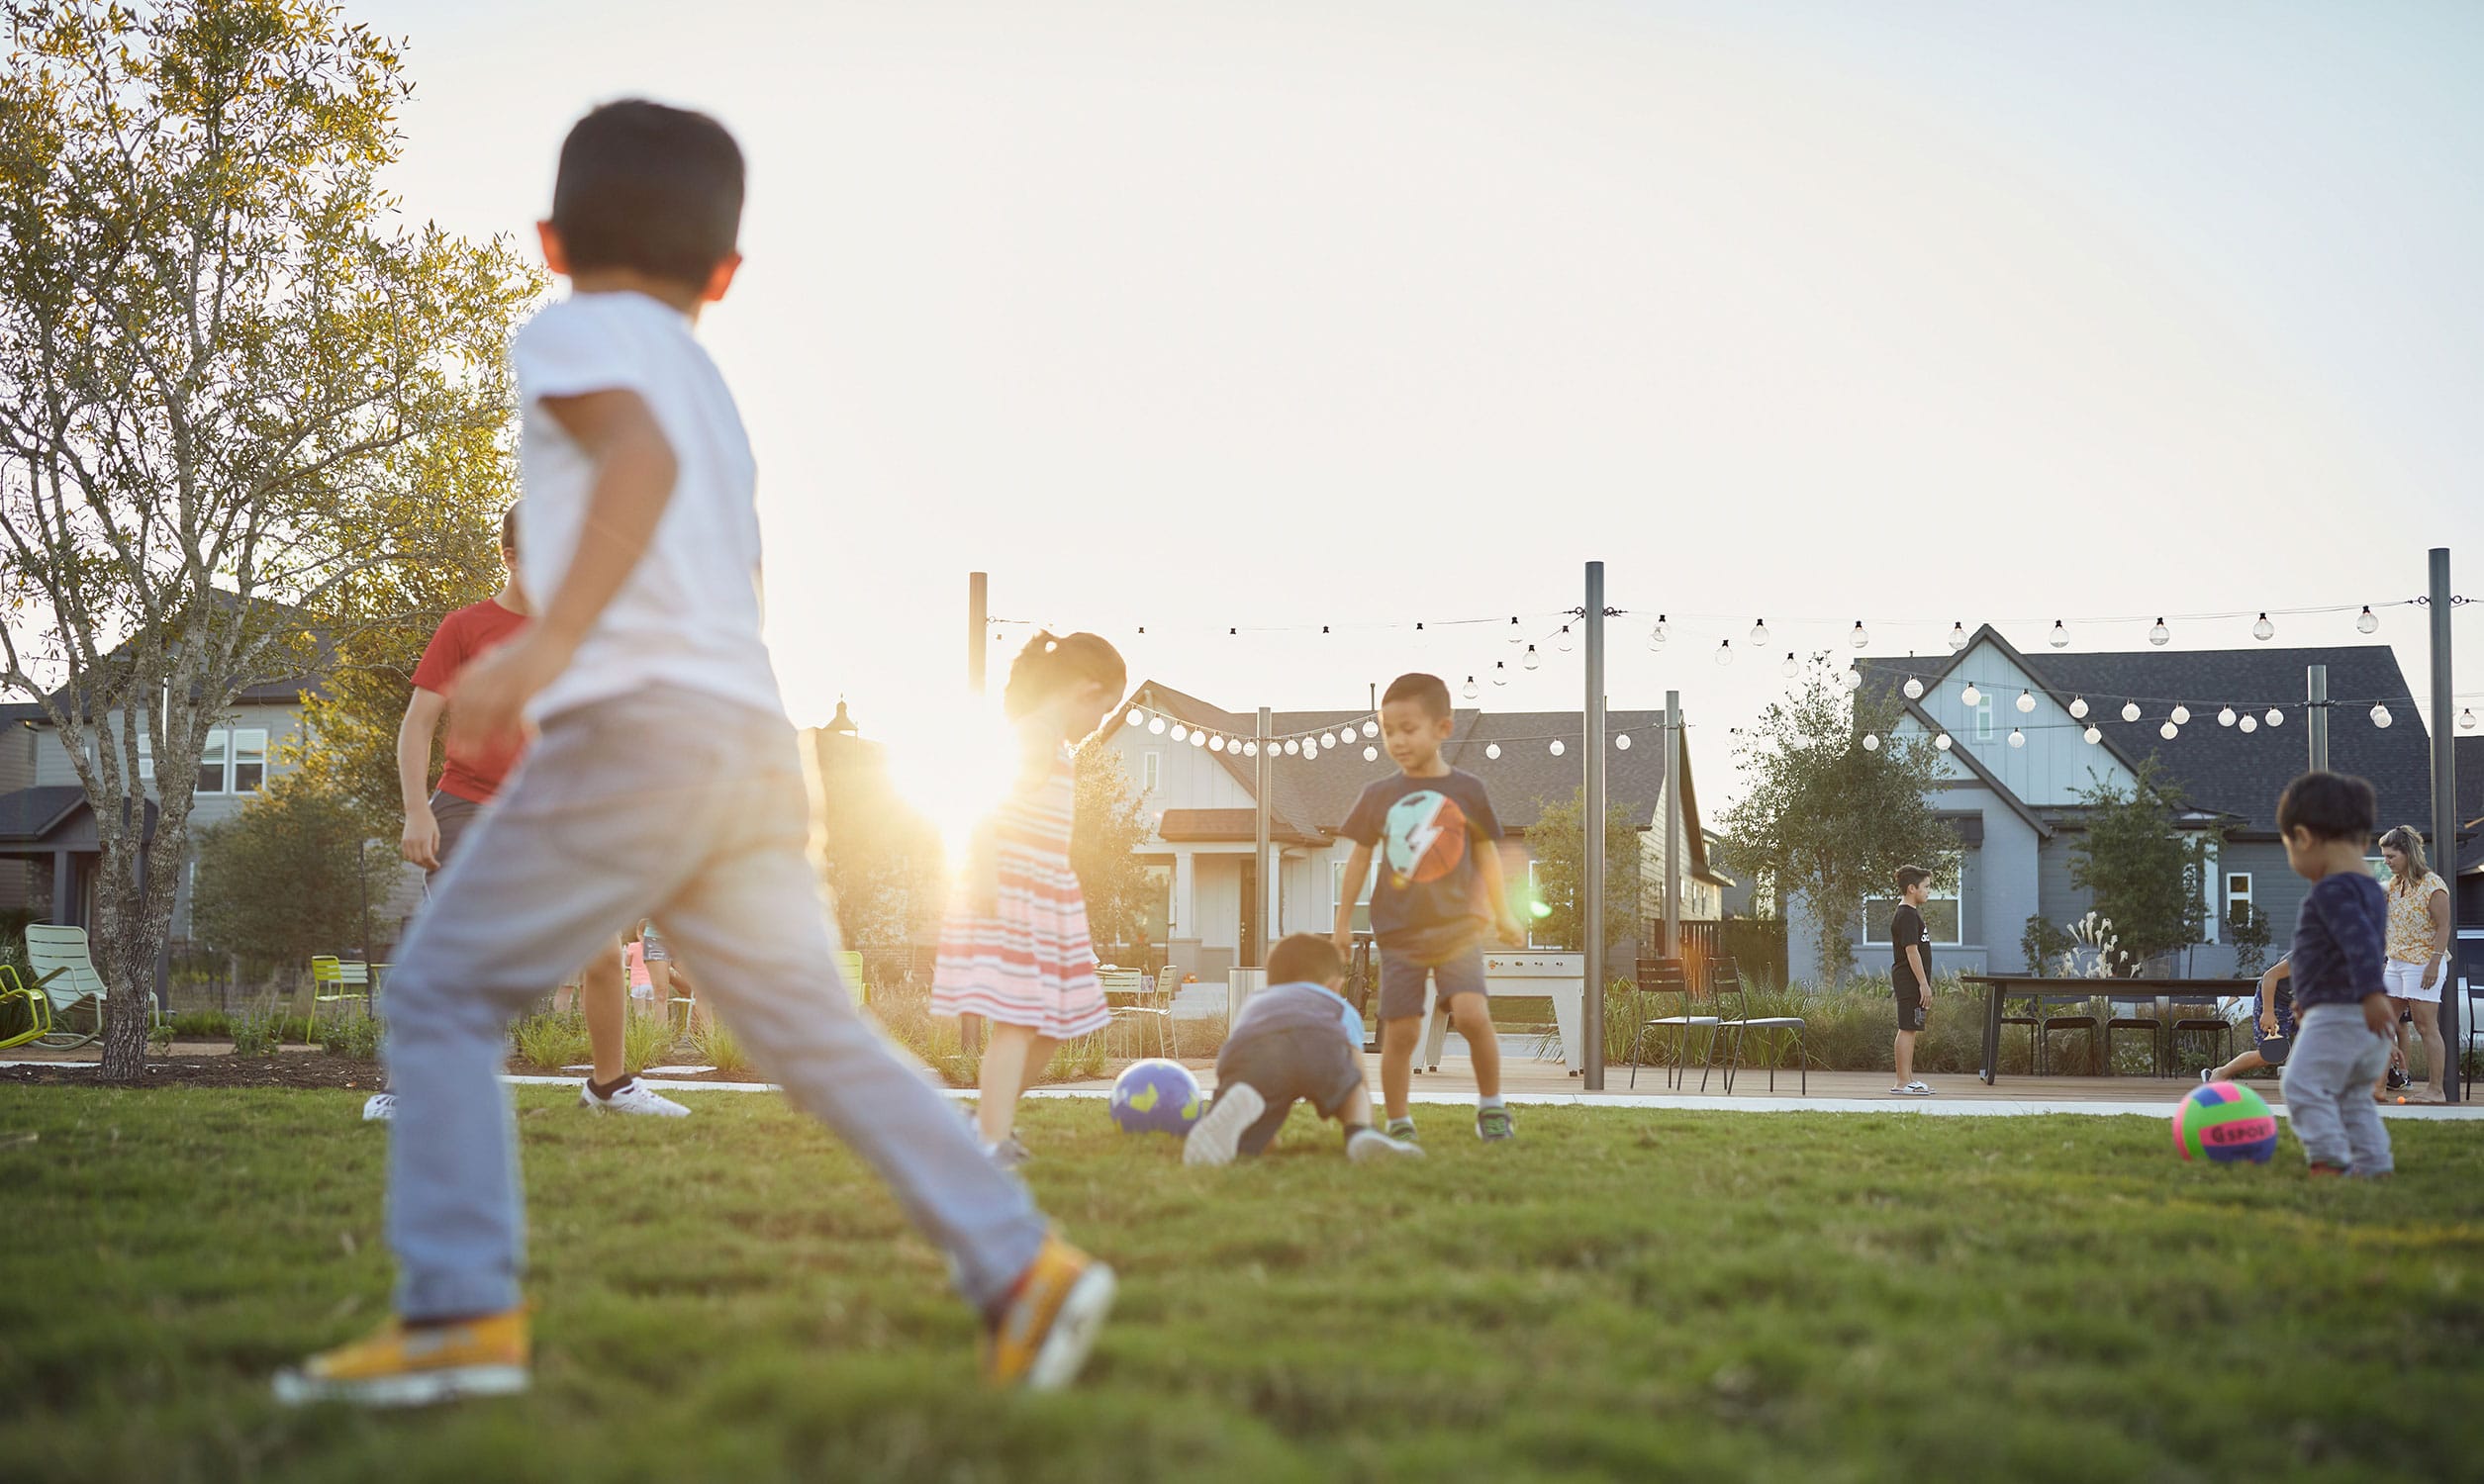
(1202, 805)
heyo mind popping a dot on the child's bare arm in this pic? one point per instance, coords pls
(634, 471)
(1358, 871)
(1923, 974)
(1497, 886)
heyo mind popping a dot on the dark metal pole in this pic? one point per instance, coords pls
(2316, 716)
(1261, 886)
(2445, 817)
(1591, 827)
(1672, 824)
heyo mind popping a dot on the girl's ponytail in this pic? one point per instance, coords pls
(1052, 662)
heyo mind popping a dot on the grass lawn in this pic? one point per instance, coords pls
(1621, 1294)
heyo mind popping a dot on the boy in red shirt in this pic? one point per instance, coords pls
(435, 821)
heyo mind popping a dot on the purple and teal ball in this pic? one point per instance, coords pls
(1156, 1096)
(2226, 1123)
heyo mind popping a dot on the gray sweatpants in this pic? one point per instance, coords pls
(2327, 1081)
(693, 810)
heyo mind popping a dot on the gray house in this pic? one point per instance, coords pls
(2020, 757)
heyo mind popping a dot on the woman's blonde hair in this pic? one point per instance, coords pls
(2407, 841)
(1052, 662)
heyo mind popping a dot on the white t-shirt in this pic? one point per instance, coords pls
(688, 613)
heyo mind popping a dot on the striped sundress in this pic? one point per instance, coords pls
(1031, 963)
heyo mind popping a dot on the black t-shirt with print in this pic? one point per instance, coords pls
(1906, 926)
(1429, 902)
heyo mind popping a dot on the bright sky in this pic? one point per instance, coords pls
(1191, 315)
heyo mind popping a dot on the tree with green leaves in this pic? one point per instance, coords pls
(239, 400)
(1829, 820)
(2143, 870)
(1558, 844)
(293, 874)
(1109, 829)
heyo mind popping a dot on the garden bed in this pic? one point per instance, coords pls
(291, 1068)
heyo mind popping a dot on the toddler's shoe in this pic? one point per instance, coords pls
(1368, 1144)
(1495, 1125)
(417, 1365)
(1401, 1128)
(1218, 1136)
(1040, 1335)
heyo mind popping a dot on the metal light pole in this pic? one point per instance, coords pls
(1593, 830)
(2446, 815)
(1672, 824)
(2316, 716)
(1261, 920)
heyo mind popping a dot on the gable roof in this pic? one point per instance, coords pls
(1313, 796)
(2221, 769)
(32, 816)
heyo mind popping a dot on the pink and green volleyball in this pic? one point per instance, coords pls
(2225, 1123)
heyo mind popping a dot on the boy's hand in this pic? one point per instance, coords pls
(2269, 1024)
(420, 843)
(2380, 1018)
(1345, 945)
(488, 712)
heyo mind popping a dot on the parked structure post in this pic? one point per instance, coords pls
(1672, 824)
(2446, 815)
(1263, 920)
(1591, 828)
(2315, 714)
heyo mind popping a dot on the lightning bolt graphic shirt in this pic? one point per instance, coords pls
(1428, 902)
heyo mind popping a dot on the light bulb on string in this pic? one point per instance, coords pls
(1914, 689)
(2017, 737)
(1293, 748)
(2277, 716)
(2226, 718)
(1517, 633)
(1861, 638)
(1370, 754)
(1371, 728)
(1558, 747)
(1532, 660)
(1492, 750)
(2181, 714)
(1971, 694)
(2160, 636)
(1789, 667)
(1656, 635)
(2466, 718)
(2380, 715)
(2092, 735)
(1851, 680)
(2130, 711)
(1198, 739)
(1958, 637)
(1157, 725)
(1500, 674)
(1760, 633)
(1470, 690)
(1942, 742)
(1310, 750)
(1871, 743)
(1622, 740)
(2026, 700)
(2264, 630)
(2078, 707)
(1563, 641)
(1250, 749)
(1137, 717)
(1215, 744)
(2248, 725)
(1725, 651)
(2061, 636)
(2169, 731)
(2367, 621)
(1328, 739)
(1181, 733)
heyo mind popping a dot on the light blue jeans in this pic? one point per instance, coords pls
(2328, 1081)
(692, 810)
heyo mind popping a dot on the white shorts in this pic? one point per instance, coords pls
(2406, 981)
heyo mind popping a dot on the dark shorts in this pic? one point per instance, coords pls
(456, 815)
(1910, 1009)
(1402, 983)
(1312, 1064)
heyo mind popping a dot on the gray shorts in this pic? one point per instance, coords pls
(1311, 1062)
(1402, 983)
(456, 814)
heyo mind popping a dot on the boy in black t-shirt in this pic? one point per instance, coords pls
(1910, 971)
(1439, 895)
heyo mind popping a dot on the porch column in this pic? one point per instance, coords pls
(1185, 923)
(63, 890)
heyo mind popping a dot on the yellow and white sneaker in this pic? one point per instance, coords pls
(1050, 1320)
(417, 1365)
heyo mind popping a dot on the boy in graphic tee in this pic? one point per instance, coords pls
(1910, 971)
(1438, 896)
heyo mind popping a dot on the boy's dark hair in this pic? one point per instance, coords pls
(1429, 691)
(2330, 806)
(1306, 959)
(648, 187)
(509, 527)
(1908, 875)
(1050, 662)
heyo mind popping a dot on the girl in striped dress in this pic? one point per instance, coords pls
(1014, 948)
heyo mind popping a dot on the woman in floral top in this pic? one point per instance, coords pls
(2419, 946)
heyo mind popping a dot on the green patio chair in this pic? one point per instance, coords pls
(37, 1007)
(849, 966)
(334, 981)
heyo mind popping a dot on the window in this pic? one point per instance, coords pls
(1983, 726)
(249, 758)
(1363, 900)
(211, 765)
(1151, 771)
(147, 755)
(2239, 903)
(1941, 917)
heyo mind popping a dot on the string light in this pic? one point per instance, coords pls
(2380, 715)
(2092, 735)
(1137, 717)
(1371, 728)
(2130, 711)
(1370, 754)
(1558, 749)
(2277, 716)
(1500, 673)
(1471, 690)
(1859, 638)
(1310, 750)
(2026, 700)
(1492, 750)
(2225, 717)
(2169, 731)
(1198, 739)
(1621, 740)
(1517, 633)
(1914, 689)
(1328, 739)
(1942, 742)
(1215, 744)
(2017, 737)
(1871, 743)
(2078, 707)
(1851, 680)
(2367, 621)
(2466, 718)
(2160, 636)
(1531, 660)
(1250, 749)
(2181, 715)
(1563, 642)
(2264, 630)
(2061, 636)
(1958, 637)
(1157, 725)
(1725, 651)
(1789, 667)
(1759, 633)
(1179, 732)
(1971, 694)
(2248, 725)
(1292, 747)
(1656, 635)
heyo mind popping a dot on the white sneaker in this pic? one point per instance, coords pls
(1370, 1144)
(633, 1096)
(379, 1107)
(1215, 1138)
(1912, 1089)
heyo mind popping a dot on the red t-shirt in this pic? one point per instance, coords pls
(465, 636)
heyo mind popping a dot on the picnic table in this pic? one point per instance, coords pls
(2043, 992)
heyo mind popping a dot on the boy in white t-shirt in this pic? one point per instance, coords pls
(639, 529)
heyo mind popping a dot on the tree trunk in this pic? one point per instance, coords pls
(133, 918)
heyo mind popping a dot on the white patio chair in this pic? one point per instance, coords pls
(64, 973)
(1129, 999)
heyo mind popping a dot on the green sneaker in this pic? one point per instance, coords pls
(1494, 1125)
(1401, 1128)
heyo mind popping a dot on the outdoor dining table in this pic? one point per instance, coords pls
(2043, 992)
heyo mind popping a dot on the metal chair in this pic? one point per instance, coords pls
(334, 982)
(64, 975)
(2218, 1025)
(1658, 977)
(2152, 1024)
(849, 966)
(1127, 998)
(2029, 1014)
(2093, 1024)
(1734, 1014)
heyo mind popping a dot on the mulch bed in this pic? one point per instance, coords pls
(286, 1069)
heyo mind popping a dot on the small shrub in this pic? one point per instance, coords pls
(159, 1036)
(356, 1035)
(645, 1039)
(551, 1042)
(256, 1033)
(201, 1025)
(717, 1047)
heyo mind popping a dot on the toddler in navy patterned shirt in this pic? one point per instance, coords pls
(2343, 1025)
